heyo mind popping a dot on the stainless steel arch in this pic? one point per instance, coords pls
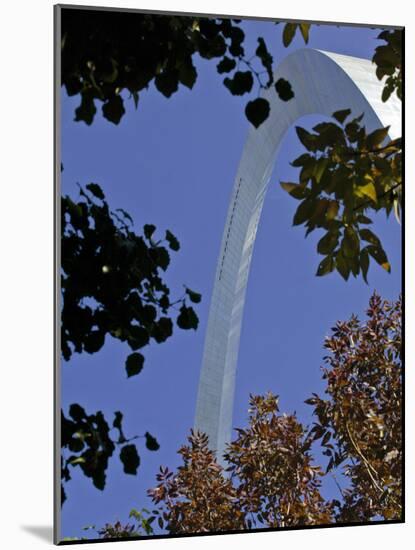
(323, 83)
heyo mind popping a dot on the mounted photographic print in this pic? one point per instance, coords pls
(229, 213)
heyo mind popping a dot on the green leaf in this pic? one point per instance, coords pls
(113, 109)
(379, 255)
(305, 31)
(367, 190)
(326, 266)
(284, 89)
(304, 211)
(364, 263)
(387, 92)
(287, 186)
(257, 111)
(341, 116)
(149, 230)
(296, 190)
(96, 190)
(173, 242)
(302, 160)
(241, 83)
(307, 139)
(319, 168)
(330, 134)
(342, 266)
(226, 65)
(288, 33)
(363, 219)
(370, 237)
(187, 318)
(376, 138)
(194, 296)
(332, 210)
(134, 364)
(130, 459)
(328, 243)
(350, 244)
(74, 460)
(151, 442)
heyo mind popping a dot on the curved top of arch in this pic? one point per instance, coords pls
(323, 83)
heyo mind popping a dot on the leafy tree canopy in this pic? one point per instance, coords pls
(360, 421)
(89, 440)
(105, 53)
(271, 478)
(112, 286)
(112, 277)
(112, 281)
(345, 175)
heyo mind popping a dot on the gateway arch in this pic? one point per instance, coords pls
(323, 83)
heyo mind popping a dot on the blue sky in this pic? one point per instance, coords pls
(172, 163)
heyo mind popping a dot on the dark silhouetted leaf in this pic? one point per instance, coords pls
(94, 341)
(130, 459)
(257, 111)
(241, 82)
(307, 139)
(118, 420)
(162, 330)
(138, 337)
(96, 190)
(187, 318)
(149, 230)
(151, 442)
(284, 89)
(167, 82)
(188, 74)
(194, 296)
(77, 412)
(226, 65)
(86, 110)
(113, 109)
(134, 364)
(341, 116)
(173, 242)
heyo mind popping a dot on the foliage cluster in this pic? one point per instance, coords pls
(345, 174)
(107, 53)
(270, 477)
(112, 286)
